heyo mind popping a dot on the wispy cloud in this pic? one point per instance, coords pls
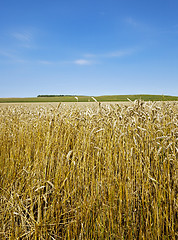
(114, 54)
(22, 36)
(102, 13)
(76, 62)
(24, 39)
(45, 62)
(138, 25)
(132, 22)
(6, 54)
(11, 57)
(82, 62)
(171, 30)
(145, 28)
(86, 60)
(89, 55)
(121, 53)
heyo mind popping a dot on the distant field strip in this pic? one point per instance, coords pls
(109, 98)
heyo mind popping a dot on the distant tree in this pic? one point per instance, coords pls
(51, 95)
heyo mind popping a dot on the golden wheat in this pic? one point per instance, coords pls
(100, 172)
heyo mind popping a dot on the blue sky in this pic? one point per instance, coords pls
(88, 47)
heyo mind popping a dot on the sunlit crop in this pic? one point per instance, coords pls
(99, 172)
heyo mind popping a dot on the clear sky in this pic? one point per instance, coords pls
(88, 47)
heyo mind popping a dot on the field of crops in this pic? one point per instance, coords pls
(89, 171)
(73, 98)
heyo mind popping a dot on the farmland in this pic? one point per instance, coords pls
(88, 171)
(107, 98)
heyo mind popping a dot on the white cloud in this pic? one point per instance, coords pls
(23, 36)
(171, 30)
(122, 53)
(138, 25)
(10, 56)
(132, 22)
(102, 13)
(82, 62)
(45, 62)
(88, 55)
(6, 54)
(77, 62)
(114, 54)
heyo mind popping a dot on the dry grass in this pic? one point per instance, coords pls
(89, 172)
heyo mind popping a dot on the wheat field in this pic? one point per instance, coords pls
(100, 171)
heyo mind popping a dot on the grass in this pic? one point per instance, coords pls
(46, 99)
(110, 98)
(101, 172)
(136, 97)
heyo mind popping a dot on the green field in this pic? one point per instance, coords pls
(106, 98)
